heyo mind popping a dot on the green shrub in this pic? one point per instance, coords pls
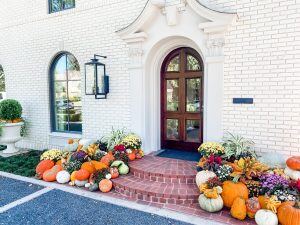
(10, 109)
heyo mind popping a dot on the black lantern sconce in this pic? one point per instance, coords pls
(96, 80)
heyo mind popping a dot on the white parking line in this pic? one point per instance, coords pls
(25, 199)
(115, 201)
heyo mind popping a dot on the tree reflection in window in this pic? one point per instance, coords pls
(173, 65)
(192, 63)
(59, 5)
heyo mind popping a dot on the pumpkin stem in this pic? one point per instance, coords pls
(297, 204)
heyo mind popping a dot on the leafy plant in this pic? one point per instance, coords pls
(115, 137)
(10, 109)
(72, 166)
(237, 146)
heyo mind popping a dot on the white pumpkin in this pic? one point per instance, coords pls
(203, 176)
(266, 217)
(80, 183)
(293, 174)
(210, 204)
(86, 142)
(63, 177)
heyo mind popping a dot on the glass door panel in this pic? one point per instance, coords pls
(193, 103)
(172, 129)
(172, 92)
(192, 130)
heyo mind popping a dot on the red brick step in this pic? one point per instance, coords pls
(146, 190)
(164, 170)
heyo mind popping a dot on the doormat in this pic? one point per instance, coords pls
(177, 154)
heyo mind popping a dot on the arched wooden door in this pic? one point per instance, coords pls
(182, 100)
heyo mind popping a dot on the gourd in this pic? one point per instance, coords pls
(210, 204)
(252, 205)
(114, 172)
(99, 165)
(131, 156)
(43, 166)
(73, 176)
(262, 199)
(50, 175)
(107, 159)
(88, 166)
(238, 209)
(122, 167)
(80, 183)
(232, 190)
(289, 213)
(94, 187)
(266, 217)
(105, 185)
(293, 174)
(82, 175)
(203, 176)
(213, 193)
(293, 162)
(63, 177)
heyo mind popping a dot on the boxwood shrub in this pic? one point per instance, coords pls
(10, 109)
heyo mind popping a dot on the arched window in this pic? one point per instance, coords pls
(66, 104)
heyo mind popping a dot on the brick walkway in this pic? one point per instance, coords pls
(166, 183)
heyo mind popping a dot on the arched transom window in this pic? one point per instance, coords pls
(66, 94)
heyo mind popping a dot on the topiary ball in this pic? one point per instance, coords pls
(10, 109)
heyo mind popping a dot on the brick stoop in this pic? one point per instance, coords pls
(160, 180)
(169, 184)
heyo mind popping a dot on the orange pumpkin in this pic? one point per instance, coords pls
(43, 166)
(88, 166)
(107, 159)
(99, 165)
(289, 213)
(131, 156)
(293, 162)
(105, 185)
(232, 190)
(50, 175)
(82, 175)
(252, 205)
(114, 172)
(70, 141)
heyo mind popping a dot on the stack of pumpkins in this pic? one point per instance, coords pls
(235, 196)
(92, 174)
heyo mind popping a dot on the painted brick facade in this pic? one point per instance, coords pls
(262, 61)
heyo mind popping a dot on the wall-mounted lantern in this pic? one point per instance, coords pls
(96, 80)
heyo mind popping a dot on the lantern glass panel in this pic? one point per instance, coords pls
(100, 79)
(90, 86)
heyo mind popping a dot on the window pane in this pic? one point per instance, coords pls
(174, 64)
(75, 105)
(73, 68)
(172, 129)
(67, 4)
(192, 130)
(192, 63)
(61, 106)
(100, 78)
(193, 95)
(60, 69)
(172, 95)
(55, 5)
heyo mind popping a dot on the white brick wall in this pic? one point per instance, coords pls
(262, 61)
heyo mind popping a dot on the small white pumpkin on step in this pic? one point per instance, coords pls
(266, 217)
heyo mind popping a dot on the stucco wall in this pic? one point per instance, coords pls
(262, 61)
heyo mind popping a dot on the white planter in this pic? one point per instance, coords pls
(11, 133)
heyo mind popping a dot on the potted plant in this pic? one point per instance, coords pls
(11, 124)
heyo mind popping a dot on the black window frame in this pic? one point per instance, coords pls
(63, 8)
(52, 94)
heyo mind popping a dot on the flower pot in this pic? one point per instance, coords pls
(11, 133)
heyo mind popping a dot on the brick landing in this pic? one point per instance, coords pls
(166, 183)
